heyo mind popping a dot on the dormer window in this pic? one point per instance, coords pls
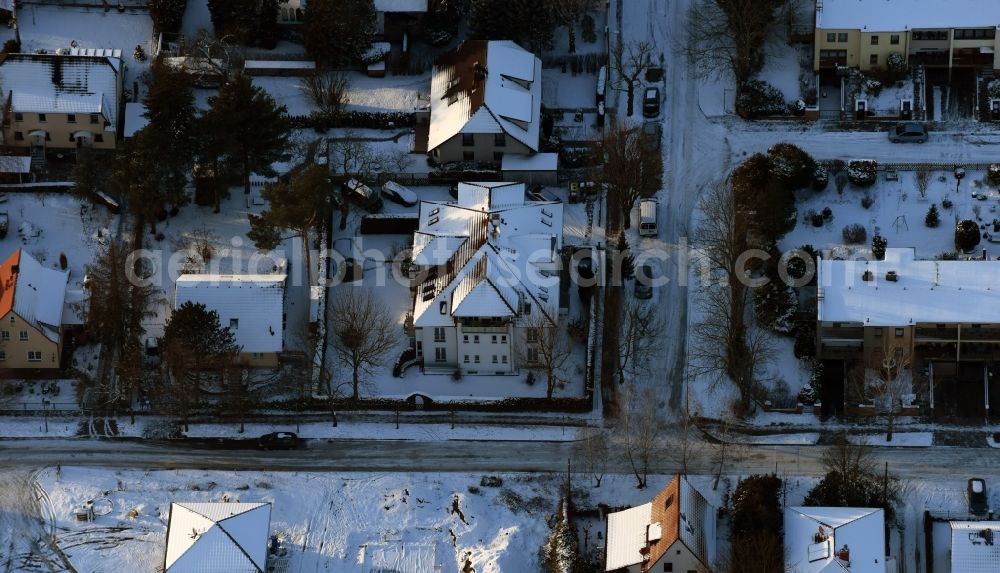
(234, 323)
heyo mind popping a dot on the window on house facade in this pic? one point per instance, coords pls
(95, 118)
(23, 336)
(42, 117)
(234, 323)
(256, 354)
(466, 359)
(842, 37)
(500, 139)
(839, 55)
(465, 338)
(874, 40)
(18, 136)
(503, 339)
(468, 139)
(72, 138)
(438, 334)
(3, 356)
(873, 59)
(70, 118)
(899, 332)
(420, 348)
(440, 355)
(494, 339)
(18, 116)
(12, 319)
(978, 34)
(468, 156)
(668, 568)
(878, 333)
(443, 307)
(930, 35)
(894, 39)
(495, 359)
(5, 335)
(532, 335)
(475, 339)
(498, 156)
(34, 356)
(533, 355)
(99, 137)
(831, 36)
(475, 359)
(503, 359)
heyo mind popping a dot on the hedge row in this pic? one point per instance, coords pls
(357, 119)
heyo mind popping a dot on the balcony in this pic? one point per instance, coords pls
(484, 329)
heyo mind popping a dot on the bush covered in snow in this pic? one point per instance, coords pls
(873, 87)
(774, 306)
(879, 245)
(759, 98)
(791, 165)
(966, 235)
(993, 88)
(821, 178)
(862, 172)
(854, 234)
(993, 173)
(807, 396)
(895, 67)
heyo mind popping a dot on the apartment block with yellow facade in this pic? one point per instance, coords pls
(933, 33)
(61, 101)
(31, 310)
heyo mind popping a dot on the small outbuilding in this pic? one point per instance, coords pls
(217, 538)
(536, 169)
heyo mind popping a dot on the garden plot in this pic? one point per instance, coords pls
(784, 69)
(897, 212)
(391, 93)
(46, 225)
(566, 90)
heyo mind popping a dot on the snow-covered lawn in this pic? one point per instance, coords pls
(39, 427)
(899, 439)
(391, 93)
(388, 431)
(897, 213)
(566, 90)
(798, 439)
(47, 224)
(781, 67)
(324, 520)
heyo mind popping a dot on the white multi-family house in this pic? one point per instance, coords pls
(487, 278)
(486, 99)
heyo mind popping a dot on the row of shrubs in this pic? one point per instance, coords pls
(359, 119)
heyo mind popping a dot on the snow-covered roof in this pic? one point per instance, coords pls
(400, 5)
(815, 536)
(33, 292)
(534, 162)
(486, 87)
(134, 118)
(500, 249)
(925, 291)
(975, 546)
(217, 538)
(255, 302)
(47, 83)
(903, 15)
(627, 536)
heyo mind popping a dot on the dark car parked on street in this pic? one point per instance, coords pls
(278, 441)
(651, 102)
(977, 496)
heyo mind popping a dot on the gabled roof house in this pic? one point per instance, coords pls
(486, 99)
(251, 306)
(217, 538)
(834, 540)
(62, 100)
(674, 532)
(486, 267)
(31, 311)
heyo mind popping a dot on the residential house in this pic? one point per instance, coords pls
(293, 11)
(486, 99)
(975, 546)
(834, 540)
(217, 538)
(66, 101)
(31, 311)
(485, 278)
(674, 533)
(863, 33)
(942, 314)
(251, 306)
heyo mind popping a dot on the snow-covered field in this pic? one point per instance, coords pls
(324, 519)
(391, 93)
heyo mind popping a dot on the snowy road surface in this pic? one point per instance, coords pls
(462, 456)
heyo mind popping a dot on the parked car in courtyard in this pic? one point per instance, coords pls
(651, 102)
(977, 496)
(399, 194)
(363, 195)
(910, 132)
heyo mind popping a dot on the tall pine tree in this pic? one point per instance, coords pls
(250, 127)
(171, 112)
(339, 32)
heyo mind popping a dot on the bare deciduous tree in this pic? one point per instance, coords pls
(640, 339)
(327, 91)
(198, 248)
(639, 431)
(545, 347)
(363, 333)
(886, 381)
(923, 178)
(568, 13)
(629, 61)
(729, 345)
(728, 36)
(591, 453)
(630, 168)
(352, 156)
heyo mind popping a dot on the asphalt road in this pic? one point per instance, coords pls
(462, 456)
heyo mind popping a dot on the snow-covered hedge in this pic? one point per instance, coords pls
(862, 171)
(759, 98)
